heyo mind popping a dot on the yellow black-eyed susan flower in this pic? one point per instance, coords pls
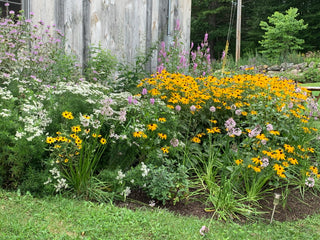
(152, 126)
(103, 141)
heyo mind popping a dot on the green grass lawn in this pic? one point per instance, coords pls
(25, 217)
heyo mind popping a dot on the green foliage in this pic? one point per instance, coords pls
(168, 182)
(311, 75)
(130, 74)
(100, 66)
(280, 34)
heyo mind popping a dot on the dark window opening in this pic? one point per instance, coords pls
(10, 5)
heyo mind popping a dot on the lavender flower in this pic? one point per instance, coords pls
(269, 127)
(230, 123)
(238, 112)
(122, 116)
(255, 132)
(265, 162)
(310, 181)
(108, 111)
(193, 108)
(212, 109)
(174, 142)
(152, 101)
(178, 108)
(237, 131)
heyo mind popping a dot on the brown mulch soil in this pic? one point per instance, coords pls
(293, 208)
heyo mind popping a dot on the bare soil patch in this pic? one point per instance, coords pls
(294, 207)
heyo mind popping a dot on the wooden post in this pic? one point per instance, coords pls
(238, 30)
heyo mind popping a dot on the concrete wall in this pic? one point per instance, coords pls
(126, 27)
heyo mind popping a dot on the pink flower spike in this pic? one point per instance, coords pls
(206, 37)
(152, 101)
(195, 66)
(144, 91)
(177, 25)
(203, 230)
(7, 4)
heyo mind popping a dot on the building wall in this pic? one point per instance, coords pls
(126, 27)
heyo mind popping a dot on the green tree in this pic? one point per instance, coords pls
(280, 37)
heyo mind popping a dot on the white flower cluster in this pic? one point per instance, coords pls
(61, 182)
(5, 95)
(126, 192)
(145, 170)
(35, 120)
(5, 113)
(82, 88)
(120, 176)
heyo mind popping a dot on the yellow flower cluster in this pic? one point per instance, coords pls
(165, 149)
(139, 134)
(313, 171)
(281, 97)
(67, 115)
(152, 126)
(179, 89)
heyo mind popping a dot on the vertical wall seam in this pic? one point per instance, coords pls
(86, 21)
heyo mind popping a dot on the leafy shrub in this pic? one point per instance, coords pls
(280, 36)
(100, 65)
(312, 74)
(166, 183)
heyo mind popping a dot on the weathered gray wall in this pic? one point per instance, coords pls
(126, 27)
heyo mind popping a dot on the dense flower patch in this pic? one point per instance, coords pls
(259, 125)
(232, 138)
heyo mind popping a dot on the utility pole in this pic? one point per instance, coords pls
(238, 30)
